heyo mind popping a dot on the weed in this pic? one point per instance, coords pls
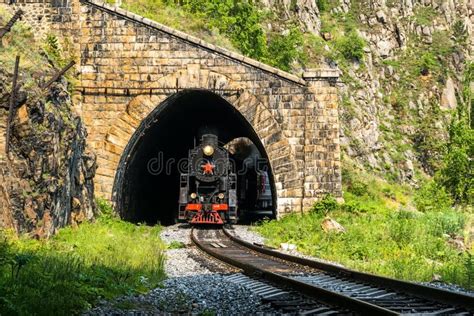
(432, 197)
(78, 266)
(176, 245)
(424, 15)
(327, 204)
(384, 234)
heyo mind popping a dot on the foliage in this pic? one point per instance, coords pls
(238, 20)
(323, 5)
(427, 64)
(428, 139)
(424, 15)
(457, 173)
(460, 32)
(351, 46)
(327, 204)
(53, 50)
(176, 245)
(284, 49)
(432, 196)
(78, 267)
(382, 236)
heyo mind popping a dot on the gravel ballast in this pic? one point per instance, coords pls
(199, 284)
(189, 295)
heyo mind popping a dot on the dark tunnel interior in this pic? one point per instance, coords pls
(147, 188)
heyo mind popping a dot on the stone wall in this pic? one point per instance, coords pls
(42, 15)
(120, 52)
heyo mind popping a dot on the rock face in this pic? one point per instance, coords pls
(387, 103)
(46, 180)
(305, 12)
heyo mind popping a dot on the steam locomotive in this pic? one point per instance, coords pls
(208, 191)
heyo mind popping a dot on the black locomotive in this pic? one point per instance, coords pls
(208, 191)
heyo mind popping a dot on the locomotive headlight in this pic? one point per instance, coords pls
(221, 196)
(193, 195)
(208, 150)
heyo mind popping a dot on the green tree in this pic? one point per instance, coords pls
(239, 20)
(284, 49)
(457, 173)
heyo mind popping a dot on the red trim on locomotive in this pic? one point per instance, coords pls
(193, 207)
(220, 207)
(207, 218)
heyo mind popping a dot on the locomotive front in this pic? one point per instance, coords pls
(208, 190)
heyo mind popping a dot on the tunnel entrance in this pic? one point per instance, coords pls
(146, 187)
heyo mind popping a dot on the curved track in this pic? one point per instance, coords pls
(331, 288)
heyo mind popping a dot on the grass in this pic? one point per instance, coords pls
(385, 234)
(79, 266)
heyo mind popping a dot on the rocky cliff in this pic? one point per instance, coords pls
(46, 179)
(398, 97)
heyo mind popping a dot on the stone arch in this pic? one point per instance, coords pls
(137, 114)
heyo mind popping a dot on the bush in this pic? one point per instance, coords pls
(283, 50)
(457, 173)
(353, 206)
(427, 64)
(105, 209)
(432, 197)
(323, 5)
(239, 20)
(326, 205)
(351, 46)
(446, 223)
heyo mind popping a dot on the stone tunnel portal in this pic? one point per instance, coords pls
(146, 185)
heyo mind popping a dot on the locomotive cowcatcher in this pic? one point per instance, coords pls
(208, 191)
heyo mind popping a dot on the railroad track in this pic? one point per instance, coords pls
(313, 287)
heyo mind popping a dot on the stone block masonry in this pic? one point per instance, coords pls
(118, 51)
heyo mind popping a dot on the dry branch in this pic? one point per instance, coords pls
(10, 23)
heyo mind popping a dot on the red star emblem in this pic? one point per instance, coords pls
(208, 168)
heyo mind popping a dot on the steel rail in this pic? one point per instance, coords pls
(318, 293)
(417, 290)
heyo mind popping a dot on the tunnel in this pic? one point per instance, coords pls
(146, 186)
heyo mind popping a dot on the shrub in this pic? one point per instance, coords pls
(323, 5)
(353, 206)
(447, 222)
(457, 173)
(239, 20)
(105, 209)
(351, 46)
(432, 197)
(327, 204)
(460, 32)
(284, 49)
(427, 63)
(358, 188)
